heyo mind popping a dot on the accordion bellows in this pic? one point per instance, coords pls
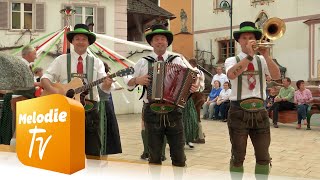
(14, 73)
(171, 83)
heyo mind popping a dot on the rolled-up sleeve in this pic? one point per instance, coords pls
(137, 72)
(53, 71)
(229, 63)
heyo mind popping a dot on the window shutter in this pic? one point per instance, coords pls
(101, 20)
(40, 17)
(4, 15)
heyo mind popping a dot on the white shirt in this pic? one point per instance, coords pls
(57, 71)
(246, 93)
(222, 78)
(141, 68)
(225, 94)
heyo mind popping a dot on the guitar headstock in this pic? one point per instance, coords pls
(125, 72)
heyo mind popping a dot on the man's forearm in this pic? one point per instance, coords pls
(47, 85)
(273, 68)
(237, 69)
(105, 87)
(132, 82)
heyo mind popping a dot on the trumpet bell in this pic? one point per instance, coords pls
(274, 28)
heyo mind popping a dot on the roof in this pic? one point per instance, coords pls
(147, 7)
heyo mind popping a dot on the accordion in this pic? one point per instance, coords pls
(171, 83)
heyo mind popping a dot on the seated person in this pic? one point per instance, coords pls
(271, 84)
(223, 103)
(283, 101)
(302, 97)
(270, 98)
(211, 100)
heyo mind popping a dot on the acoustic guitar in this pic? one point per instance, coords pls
(76, 89)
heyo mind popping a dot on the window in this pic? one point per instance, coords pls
(84, 15)
(21, 16)
(224, 50)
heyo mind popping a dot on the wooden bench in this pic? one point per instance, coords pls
(290, 116)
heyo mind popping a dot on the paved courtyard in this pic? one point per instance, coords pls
(295, 153)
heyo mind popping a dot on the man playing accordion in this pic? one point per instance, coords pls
(161, 124)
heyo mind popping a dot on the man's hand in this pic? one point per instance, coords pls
(264, 51)
(106, 84)
(143, 80)
(249, 47)
(194, 87)
(277, 99)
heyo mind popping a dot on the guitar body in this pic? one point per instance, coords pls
(63, 88)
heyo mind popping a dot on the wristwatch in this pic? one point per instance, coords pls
(250, 58)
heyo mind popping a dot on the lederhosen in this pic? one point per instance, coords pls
(169, 124)
(249, 117)
(92, 117)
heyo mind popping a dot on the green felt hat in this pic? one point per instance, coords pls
(247, 27)
(81, 29)
(162, 30)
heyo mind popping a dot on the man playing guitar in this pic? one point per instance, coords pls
(80, 64)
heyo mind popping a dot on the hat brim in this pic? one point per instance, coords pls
(257, 33)
(166, 33)
(90, 35)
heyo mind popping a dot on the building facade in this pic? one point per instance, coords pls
(181, 26)
(22, 21)
(298, 49)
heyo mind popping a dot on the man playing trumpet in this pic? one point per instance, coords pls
(247, 114)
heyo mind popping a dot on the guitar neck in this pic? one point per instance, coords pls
(92, 84)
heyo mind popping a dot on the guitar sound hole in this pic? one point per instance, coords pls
(70, 93)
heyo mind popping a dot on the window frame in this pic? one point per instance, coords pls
(84, 15)
(220, 47)
(22, 16)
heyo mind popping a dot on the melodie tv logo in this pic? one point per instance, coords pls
(50, 133)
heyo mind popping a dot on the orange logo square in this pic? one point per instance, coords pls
(50, 133)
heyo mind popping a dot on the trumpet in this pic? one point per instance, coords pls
(273, 29)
